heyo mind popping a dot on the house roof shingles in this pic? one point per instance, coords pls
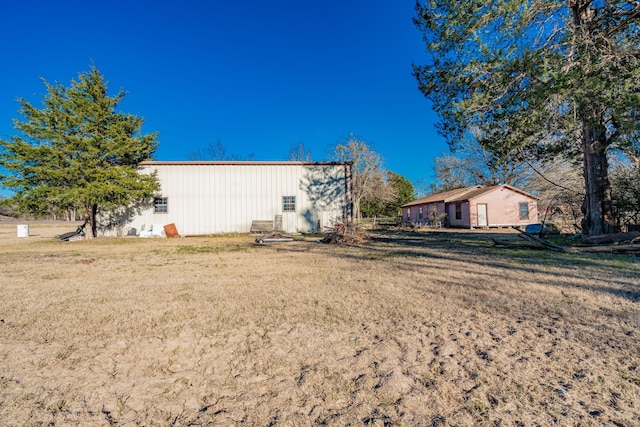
(462, 195)
(445, 196)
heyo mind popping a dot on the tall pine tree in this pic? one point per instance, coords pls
(539, 77)
(78, 152)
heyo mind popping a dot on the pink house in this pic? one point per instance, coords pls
(479, 206)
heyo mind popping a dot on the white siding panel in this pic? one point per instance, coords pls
(225, 198)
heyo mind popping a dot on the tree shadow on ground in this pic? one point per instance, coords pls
(619, 273)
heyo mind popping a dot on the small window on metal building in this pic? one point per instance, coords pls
(458, 210)
(524, 210)
(160, 205)
(289, 204)
(420, 215)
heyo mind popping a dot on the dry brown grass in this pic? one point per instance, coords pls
(433, 329)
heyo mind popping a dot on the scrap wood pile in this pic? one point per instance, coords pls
(398, 224)
(618, 243)
(345, 233)
(403, 224)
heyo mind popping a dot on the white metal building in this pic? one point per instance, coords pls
(226, 197)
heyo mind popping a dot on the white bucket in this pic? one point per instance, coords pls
(23, 230)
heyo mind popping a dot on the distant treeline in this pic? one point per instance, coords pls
(6, 210)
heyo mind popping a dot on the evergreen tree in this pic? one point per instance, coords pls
(404, 192)
(540, 77)
(78, 152)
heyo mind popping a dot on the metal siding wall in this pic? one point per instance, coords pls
(207, 204)
(288, 218)
(293, 184)
(302, 201)
(186, 198)
(206, 199)
(190, 203)
(262, 185)
(224, 201)
(177, 193)
(232, 223)
(249, 204)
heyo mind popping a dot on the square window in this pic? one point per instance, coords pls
(524, 210)
(289, 204)
(160, 205)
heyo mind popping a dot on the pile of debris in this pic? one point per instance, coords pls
(399, 224)
(345, 233)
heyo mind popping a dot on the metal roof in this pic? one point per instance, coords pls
(236, 162)
(464, 194)
(445, 196)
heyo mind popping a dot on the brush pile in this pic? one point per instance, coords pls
(345, 234)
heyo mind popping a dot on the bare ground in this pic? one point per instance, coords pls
(428, 329)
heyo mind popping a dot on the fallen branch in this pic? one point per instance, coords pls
(610, 249)
(600, 239)
(537, 241)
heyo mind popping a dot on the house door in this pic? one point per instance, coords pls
(482, 215)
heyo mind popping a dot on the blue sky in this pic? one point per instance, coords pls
(260, 76)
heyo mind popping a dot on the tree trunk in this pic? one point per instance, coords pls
(90, 219)
(357, 215)
(94, 220)
(597, 207)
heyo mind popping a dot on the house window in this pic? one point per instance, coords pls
(420, 216)
(524, 210)
(408, 213)
(160, 205)
(289, 204)
(458, 210)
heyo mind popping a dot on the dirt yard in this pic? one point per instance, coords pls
(412, 329)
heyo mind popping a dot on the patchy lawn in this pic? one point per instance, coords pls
(431, 328)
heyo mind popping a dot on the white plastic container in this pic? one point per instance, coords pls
(23, 230)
